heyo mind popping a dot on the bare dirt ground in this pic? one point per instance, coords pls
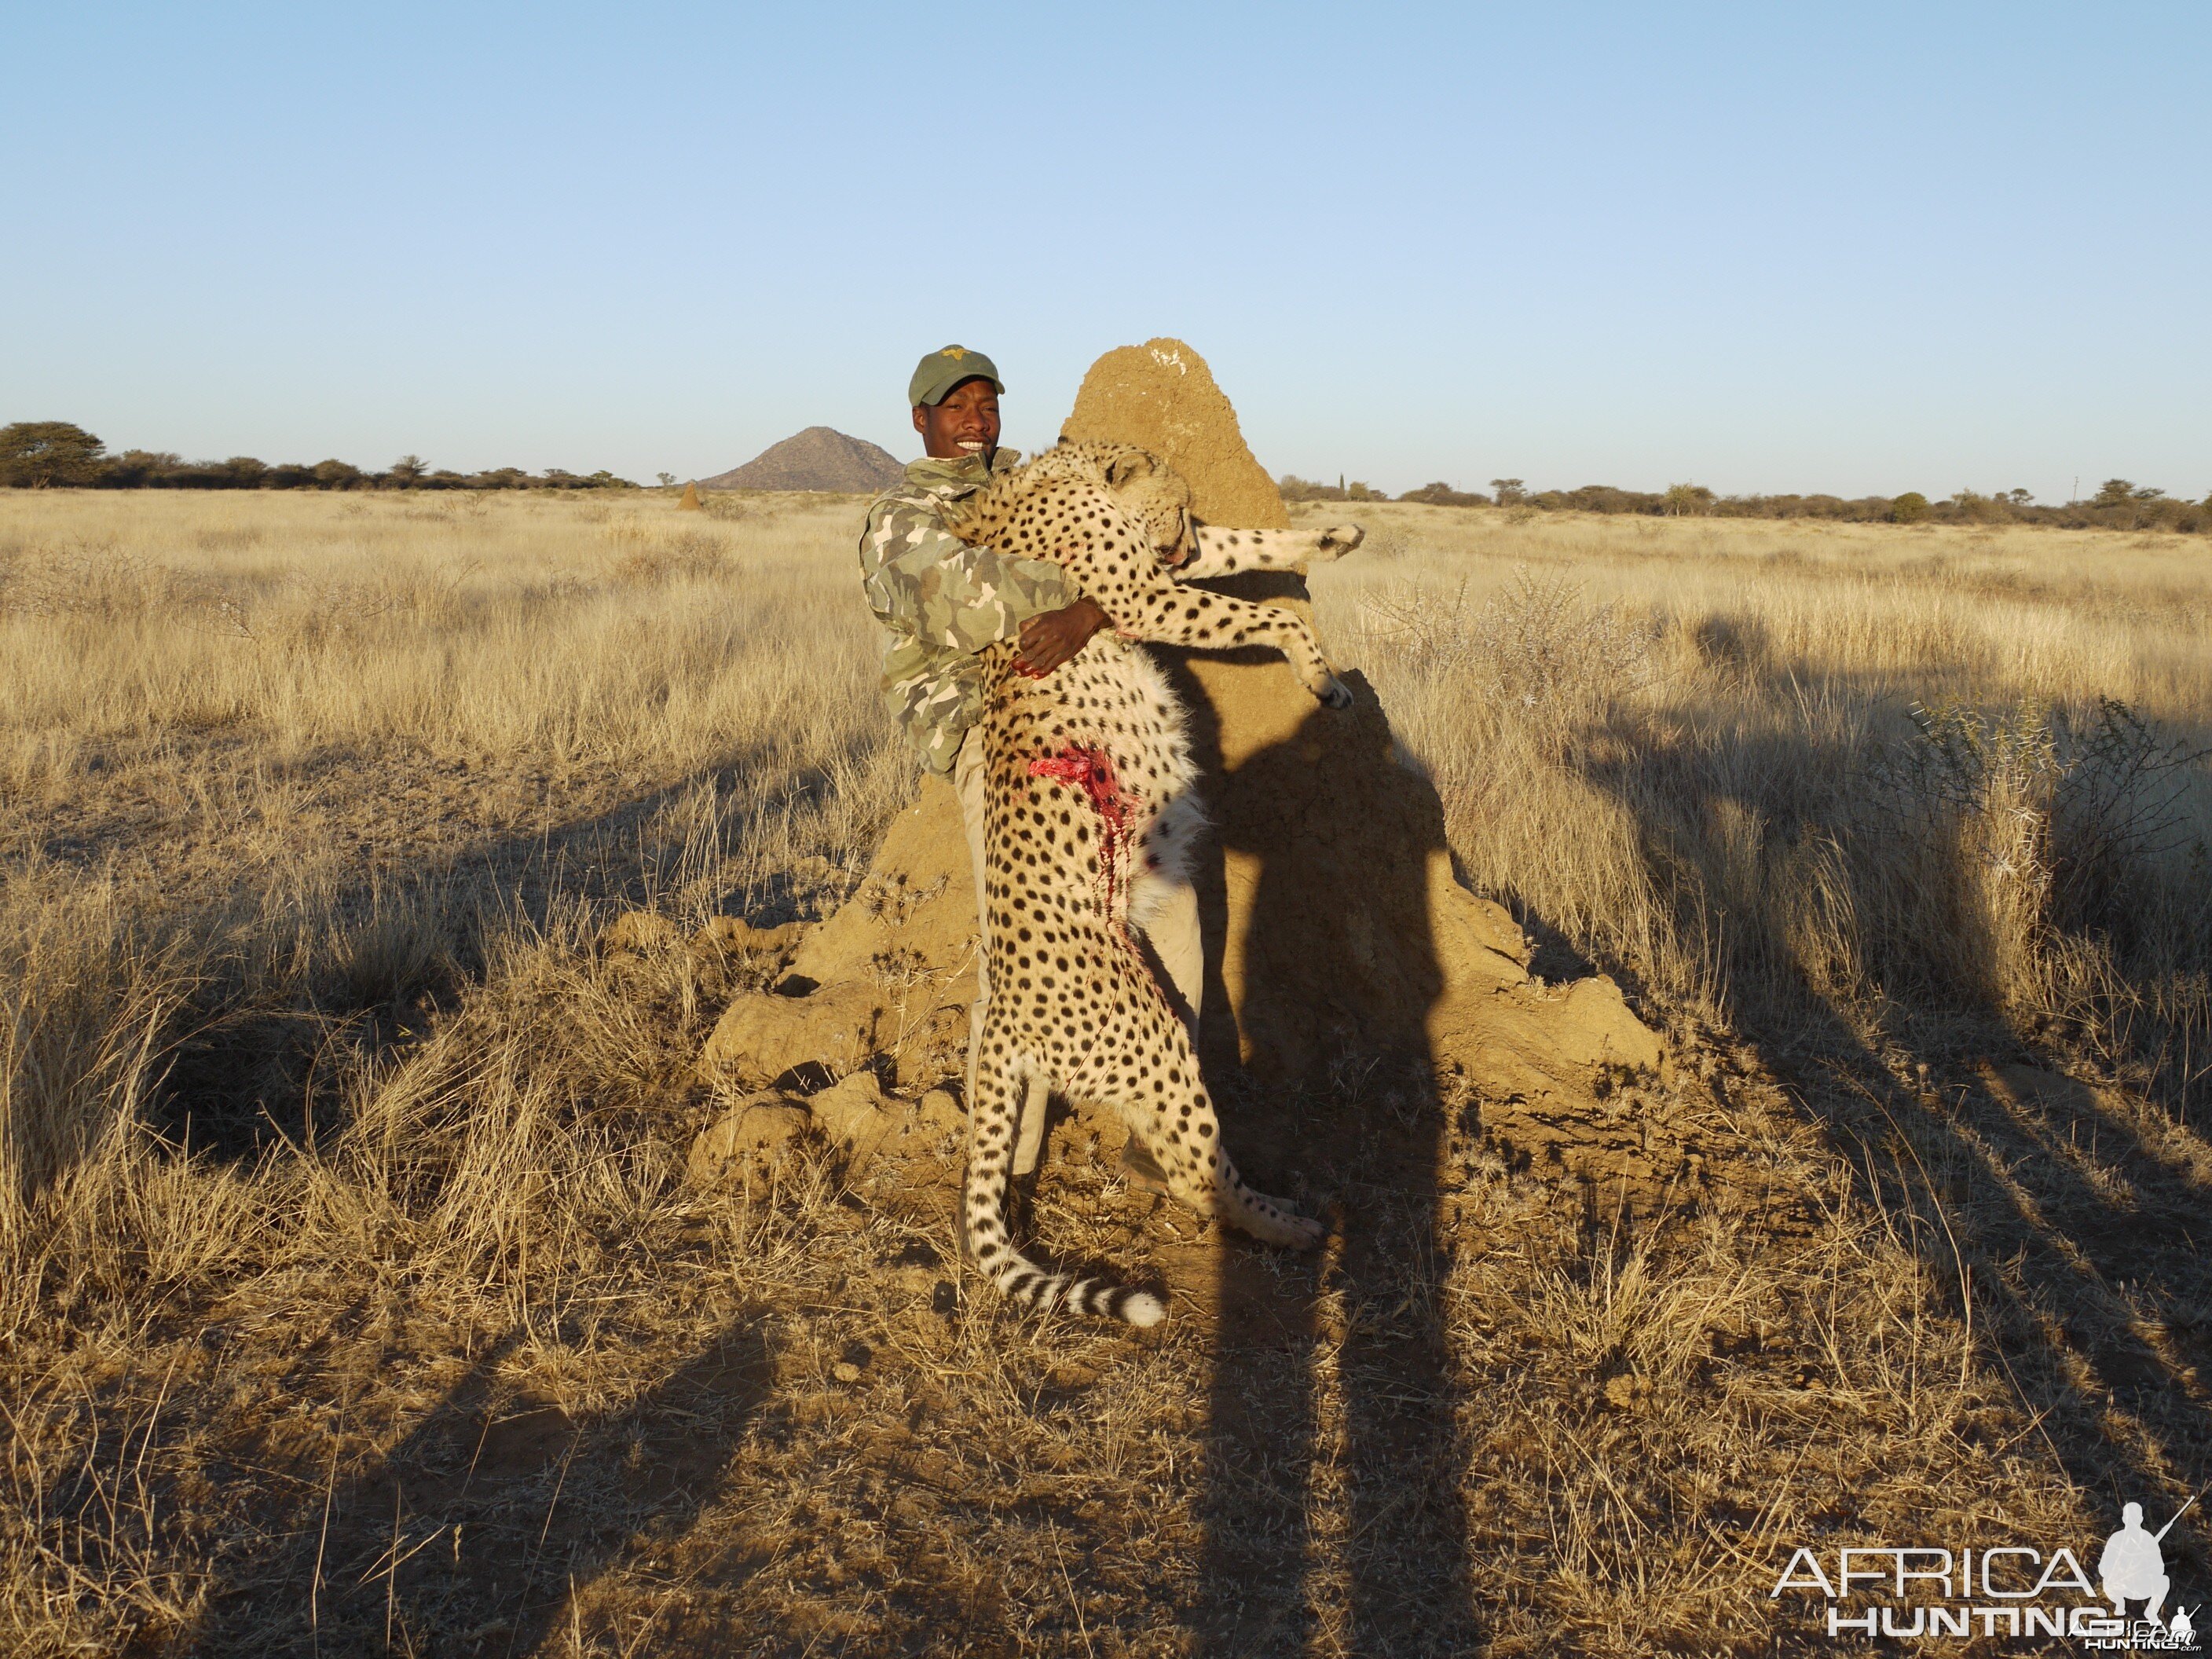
(358, 1301)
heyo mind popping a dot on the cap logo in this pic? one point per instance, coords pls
(954, 352)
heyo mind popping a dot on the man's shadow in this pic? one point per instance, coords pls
(1335, 1475)
(1334, 1463)
(480, 1529)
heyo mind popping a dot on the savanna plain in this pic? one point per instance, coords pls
(357, 1297)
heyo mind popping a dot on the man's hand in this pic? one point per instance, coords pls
(1051, 639)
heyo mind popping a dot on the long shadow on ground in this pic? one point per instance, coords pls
(253, 1068)
(1332, 1505)
(496, 1512)
(2068, 1245)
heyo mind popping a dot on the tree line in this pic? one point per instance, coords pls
(2119, 504)
(56, 454)
(48, 454)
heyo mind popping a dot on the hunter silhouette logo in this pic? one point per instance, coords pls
(2133, 1567)
(2003, 1591)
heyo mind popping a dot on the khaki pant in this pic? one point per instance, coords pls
(1173, 936)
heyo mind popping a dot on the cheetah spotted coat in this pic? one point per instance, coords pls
(1089, 806)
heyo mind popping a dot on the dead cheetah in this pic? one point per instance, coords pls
(1089, 807)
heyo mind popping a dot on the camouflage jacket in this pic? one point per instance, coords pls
(943, 601)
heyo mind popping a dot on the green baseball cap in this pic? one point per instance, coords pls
(940, 371)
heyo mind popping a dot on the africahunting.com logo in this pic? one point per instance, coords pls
(2006, 1591)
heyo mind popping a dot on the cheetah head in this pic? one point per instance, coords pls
(1143, 489)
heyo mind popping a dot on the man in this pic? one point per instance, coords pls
(944, 602)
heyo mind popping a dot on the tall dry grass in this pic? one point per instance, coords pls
(273, 761)
(1892, 775)
(325, 1128)
(550, 634)
(312, 810)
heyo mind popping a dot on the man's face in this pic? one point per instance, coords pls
(966, 422)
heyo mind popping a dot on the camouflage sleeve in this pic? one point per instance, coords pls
(924, 581)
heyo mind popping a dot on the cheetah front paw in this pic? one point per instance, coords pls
(1338, 540)
(1336, 694)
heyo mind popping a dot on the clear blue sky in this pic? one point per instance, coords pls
(1772, 246)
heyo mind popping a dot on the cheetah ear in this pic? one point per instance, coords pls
(1130, 464)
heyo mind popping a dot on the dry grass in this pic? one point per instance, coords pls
(1724, 710)
(355, 1301)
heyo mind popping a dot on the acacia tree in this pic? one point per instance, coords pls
(37, 454)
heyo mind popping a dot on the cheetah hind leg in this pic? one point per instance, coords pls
(1200, 1176)
(1029, 1141)
(1002, 1087)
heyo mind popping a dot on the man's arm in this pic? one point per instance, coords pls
(922, 581)
(925, 581)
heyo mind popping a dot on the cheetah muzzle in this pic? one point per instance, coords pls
(1089, 811)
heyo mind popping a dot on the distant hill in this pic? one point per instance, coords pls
(818, 459)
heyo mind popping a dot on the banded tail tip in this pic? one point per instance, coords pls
(1144, 1310)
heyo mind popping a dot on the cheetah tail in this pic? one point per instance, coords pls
(990, 1246)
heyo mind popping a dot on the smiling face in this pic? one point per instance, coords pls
(964, 422)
